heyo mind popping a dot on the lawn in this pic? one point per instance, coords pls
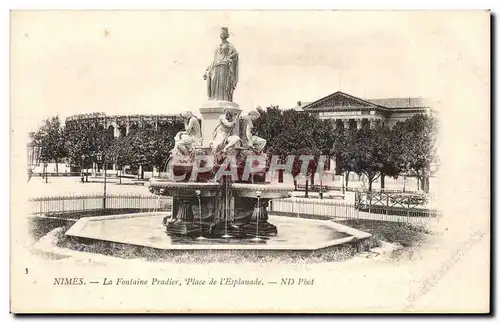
(404, 234)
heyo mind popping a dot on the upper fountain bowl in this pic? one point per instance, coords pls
(262, 190)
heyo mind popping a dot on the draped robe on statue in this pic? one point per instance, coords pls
(222, 74)
(253, 142)
(222, 137)
(184, 140)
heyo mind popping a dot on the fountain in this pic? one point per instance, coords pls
(218, 173)
(220, 184)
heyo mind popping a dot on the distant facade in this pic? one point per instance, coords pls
(348, 111)
(33, 153)
(121, 125)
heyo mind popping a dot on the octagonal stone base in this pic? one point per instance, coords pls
(146, 229)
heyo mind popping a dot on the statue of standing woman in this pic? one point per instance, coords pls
(222, 74)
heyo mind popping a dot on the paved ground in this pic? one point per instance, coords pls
(58, 186)
(70, 185)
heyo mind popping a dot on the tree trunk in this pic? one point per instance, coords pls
(347, 179)
(280, 176)
(342, 180)
(421, 183)
(121, 174)
(142, 172)
(295, 184)
(427, 184)
(370, 182)
(307, 188)
(57, 167)
(382, 181)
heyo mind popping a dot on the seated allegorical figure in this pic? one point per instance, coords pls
(183, 144)
(189, 137)
(192, 127)
(249, 140)
(222, 140)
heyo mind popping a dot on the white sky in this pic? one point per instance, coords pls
(152, 61)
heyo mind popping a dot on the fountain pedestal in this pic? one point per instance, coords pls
(258, 224)
(182, 222)
(210, 113)
(195, 206)
(209, 209)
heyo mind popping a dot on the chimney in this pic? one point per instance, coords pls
(299, 103)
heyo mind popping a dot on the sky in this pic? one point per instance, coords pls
(133, 62)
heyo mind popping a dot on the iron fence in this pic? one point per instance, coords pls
(82, 203)
(54, 174)
(297, 207)
(393, 202)
(327, 209)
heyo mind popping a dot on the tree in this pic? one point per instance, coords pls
(162, 142)
(50, 139)
(120, 154)
(418, 147)
(290, 132)
(140, 151)
(150, 147)
(390, 149)
(104, 143)
(371, 153)
(87, 141)
(343, 150)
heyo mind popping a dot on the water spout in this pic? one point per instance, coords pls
(198, 193)
(257, 238)
(226, 211)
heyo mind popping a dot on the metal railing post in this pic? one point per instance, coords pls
(104, 200)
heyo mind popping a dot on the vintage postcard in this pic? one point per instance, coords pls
(250, 161)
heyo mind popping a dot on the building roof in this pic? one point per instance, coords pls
(347, 99)
(98, 115)
(397, 103)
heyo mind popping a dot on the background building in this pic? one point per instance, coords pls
(349, 111)
(119, 125)
(122, 124)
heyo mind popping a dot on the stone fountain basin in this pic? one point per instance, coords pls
(267, 190)
(146, 229)
(173, 184)
(170, 187)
